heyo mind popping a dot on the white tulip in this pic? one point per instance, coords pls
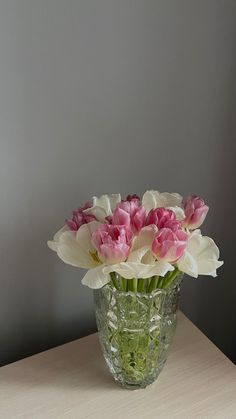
(103, 206)
(95, 278)
(154, 199)
(141, 248)
(131, 270)
(201, 256)
(74, 247)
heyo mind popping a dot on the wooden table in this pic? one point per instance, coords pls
(71, 381)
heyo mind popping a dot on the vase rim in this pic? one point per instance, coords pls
(153, 293)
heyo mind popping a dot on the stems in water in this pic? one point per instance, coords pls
(144, 285)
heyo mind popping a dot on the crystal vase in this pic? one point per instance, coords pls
(135, 331)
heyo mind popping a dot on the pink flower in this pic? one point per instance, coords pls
(113, 243)
(79, 217)
(133, 197)
(169, 245)
(195, 212)
(131, 214)
(163, 218)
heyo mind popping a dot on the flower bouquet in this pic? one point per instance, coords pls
(135, 252)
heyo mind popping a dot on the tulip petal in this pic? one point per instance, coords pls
(114, 200)
(148, 258)
(208, 267)
(59, 232)
(95, 278)
(99, 213)
(83, 235)
(149, 200)
(71, 252)
(208, 248)
(179, 213)
(160, 268)
(141, 250)
(145, 237)
(154, 199)
(169, 199)
(139, 270)
(75, 248)
(201, 256)
(52, 244)
(188, 265)
(103, 206)
(137, 255)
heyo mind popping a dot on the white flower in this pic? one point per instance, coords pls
(139, 270)
(52, 244)
(141, 248)
(154, 199)
(96, 278)
(103, 206)
(201, 256)
(74, 247)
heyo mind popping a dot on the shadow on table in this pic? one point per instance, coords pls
(76, 365)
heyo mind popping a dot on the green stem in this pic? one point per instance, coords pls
(132, 284)
(148, 280)
(141, 284)
(165, 279)
(135, 284)
(160, 278)
(153, 283)
(160, 282)
(170, 278)
(123, 283)
(114, 280)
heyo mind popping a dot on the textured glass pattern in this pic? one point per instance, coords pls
(135, 331)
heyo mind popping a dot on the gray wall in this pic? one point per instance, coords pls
(106, 96)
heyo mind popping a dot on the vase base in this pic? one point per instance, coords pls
(129, 386)
(137, 386)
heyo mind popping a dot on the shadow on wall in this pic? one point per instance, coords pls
(42, 301)
(210, 302)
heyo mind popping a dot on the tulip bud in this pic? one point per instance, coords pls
(163, 218)
(169, 245)
(195, 212)
(113, 243)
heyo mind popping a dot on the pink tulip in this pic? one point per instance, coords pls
(113, 243)
(169, 245)
(79, 217)
(133, 197)
(130, 214)
(163, 218)
(195, 212)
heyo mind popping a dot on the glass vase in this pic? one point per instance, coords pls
(135, 331)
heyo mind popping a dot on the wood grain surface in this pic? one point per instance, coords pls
(71, 381)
